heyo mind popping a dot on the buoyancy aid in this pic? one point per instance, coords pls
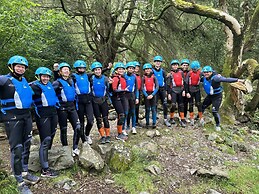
(82, 85)
(22, 98)
(121, 84)
(149, 83)
(209, 87)
(48, 95)
(194, 78)
(138, 77)
(130, 81)
(177, 79)
(98, 86)
(160, 76)
(68, 91)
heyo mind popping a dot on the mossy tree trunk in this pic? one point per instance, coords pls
(239, 39)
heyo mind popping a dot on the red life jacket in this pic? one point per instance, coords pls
(138, 77)
(149, 84)
(121, 82)
(177, 78)
(194, 78)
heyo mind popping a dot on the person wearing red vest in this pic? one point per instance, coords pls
(186, 101)
(176, 91)
(138, 77)
(193, 91)
(150, 87)
(119, 87)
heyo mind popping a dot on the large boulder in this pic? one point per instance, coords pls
(90, 159)
(121, 157)
(60, 157)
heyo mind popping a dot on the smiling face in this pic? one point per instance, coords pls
(174, 66)
(130, 69)
(98, 71)
(136, 70)
(185, 66)
(64, 72)
(120, 71)
(81, 69)
(207, 74)
(19, 69)
(44, 79)
(157, 64)
(148, 71)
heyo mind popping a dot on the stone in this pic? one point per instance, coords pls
(212, 191)
(153, 169)
(109, 181)
(60, 158)
(90, 159)
(121, 158)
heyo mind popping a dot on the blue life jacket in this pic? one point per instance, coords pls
(48, 95)
(209, 88)
(22, 98)
(130, 82)
(68, 91)
(82, 85)
(99, 87)
(159, 76)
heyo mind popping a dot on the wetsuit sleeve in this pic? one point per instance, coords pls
(219, 78)
(157, 86)
(168, 83)
(107, 84)
(143, 88)
(136, 88)
(164, 76)
(186, 82)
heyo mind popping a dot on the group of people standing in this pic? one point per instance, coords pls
(75, 96)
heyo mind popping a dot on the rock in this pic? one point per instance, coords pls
(151, 133)
(65, 183)
(90, 159)
(66, 186)
(144, 192)
(109, 181)
(212, 191)
(35, 140)
(255, 132)
(147, 149)
(60, 158)
(121, 158)
(215, 171)
(240, 147)
(153, 169)
(212, 137)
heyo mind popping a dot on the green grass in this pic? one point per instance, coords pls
(7, 184)
(136, 179)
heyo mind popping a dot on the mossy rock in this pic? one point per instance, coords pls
(121, 158)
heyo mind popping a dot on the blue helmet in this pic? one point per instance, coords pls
(80, 63)
(187, 61)
(147, 66)
(136, 63)
(96, 64)
(18, 60)
(207, 69)
(119, 65)
(158, 58)
(43, 71)
(63, 64)
(175, 61)
(195, 65)
(130, 64)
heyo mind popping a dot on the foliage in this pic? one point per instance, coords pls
(7, 184)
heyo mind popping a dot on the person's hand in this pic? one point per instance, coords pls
(241, 80)
(109, 66)
(149, 97)
(183, 93)
(169, 97)
(137, 101)
(188, 95)
(110, 80)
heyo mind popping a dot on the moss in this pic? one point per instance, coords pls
(118, 163)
